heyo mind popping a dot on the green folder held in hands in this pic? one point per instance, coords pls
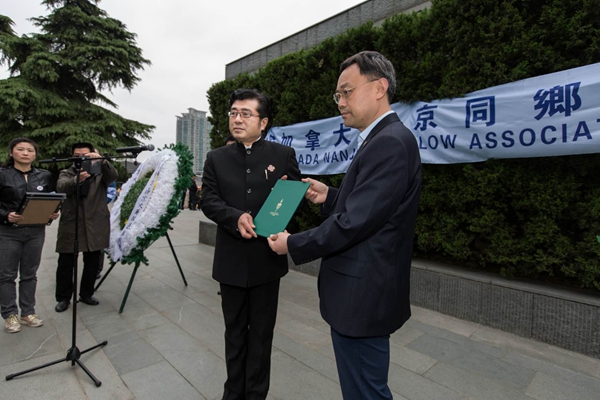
(280, 206)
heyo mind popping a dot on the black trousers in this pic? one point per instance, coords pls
(192, 201)
(64, 275)
(250, 315)
(363, 365)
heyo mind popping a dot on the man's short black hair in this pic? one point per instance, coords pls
(82, 145)
(374, 65)
(264, 103)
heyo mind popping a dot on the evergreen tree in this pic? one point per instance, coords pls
(53, 94)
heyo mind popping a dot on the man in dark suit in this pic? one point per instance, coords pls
(366, 243)
(237, 180)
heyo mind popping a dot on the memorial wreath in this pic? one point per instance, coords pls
(148, 202)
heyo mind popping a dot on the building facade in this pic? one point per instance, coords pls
(373, 10)
(193, 129)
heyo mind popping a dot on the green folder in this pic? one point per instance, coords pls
(280, 206)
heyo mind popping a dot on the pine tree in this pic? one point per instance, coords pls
(53, 94)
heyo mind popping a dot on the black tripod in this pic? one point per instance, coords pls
(73, 354)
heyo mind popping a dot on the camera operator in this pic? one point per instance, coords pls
(93, 225)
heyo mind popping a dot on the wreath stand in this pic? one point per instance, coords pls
(137, 265)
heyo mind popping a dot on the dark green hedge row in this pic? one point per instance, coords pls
(535, 218)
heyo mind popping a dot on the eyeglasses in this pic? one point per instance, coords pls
(243, 114)
(345, 93)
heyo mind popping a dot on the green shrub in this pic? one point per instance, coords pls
(535, 218)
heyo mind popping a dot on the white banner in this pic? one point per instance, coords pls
(550, 115)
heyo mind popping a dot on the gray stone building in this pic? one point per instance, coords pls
(372, 10)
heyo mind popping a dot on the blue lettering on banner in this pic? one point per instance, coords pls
(525, 133)
(338, 156)
(287, 140)
(508, 141)
(447, 141)
(582, 130)
(306, 159)
(490, 137)
(543, 135)
(425, 117)
(550, 115)
(559, 99)
(312, 140)
(475, 142)
(341, 133)
(481, 109)
(528, 137)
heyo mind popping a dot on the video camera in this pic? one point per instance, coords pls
(92, 167)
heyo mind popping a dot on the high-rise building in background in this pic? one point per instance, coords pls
(193, 130)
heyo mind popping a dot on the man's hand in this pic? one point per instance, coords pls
(246, 226)
(317, 191)
(278, 242)
(93, 154)
(54, 216)
(83, 175)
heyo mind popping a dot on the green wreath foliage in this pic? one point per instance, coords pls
(131, 198)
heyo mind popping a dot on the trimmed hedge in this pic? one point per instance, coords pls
(535, 218)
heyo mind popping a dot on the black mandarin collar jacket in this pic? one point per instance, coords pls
(238, 180)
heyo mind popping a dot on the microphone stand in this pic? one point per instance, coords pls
(73, 354)
(131, 154)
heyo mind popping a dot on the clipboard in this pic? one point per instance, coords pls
(279, 207)
(36, 207)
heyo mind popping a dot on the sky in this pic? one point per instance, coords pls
(189, 42)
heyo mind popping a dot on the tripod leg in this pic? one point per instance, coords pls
(73, 353)
(176, 260)
(112, 265)
(128, 288)
(9, 377)
(87, 371)
(95, 347)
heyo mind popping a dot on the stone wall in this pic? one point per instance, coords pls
(558, 316)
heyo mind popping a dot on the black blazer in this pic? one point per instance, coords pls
(366, 243)
(235, 181)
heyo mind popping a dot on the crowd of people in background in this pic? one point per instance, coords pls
(193, 196)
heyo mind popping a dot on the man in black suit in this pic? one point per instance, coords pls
(366, 242)
(237, 180)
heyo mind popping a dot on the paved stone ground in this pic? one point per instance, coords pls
(168, 343)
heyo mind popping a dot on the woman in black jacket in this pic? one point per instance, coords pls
(20, 246)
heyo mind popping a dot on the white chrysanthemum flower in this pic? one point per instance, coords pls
(150, 206)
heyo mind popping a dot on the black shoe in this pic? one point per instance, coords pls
(62, 306)
(90, 301)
